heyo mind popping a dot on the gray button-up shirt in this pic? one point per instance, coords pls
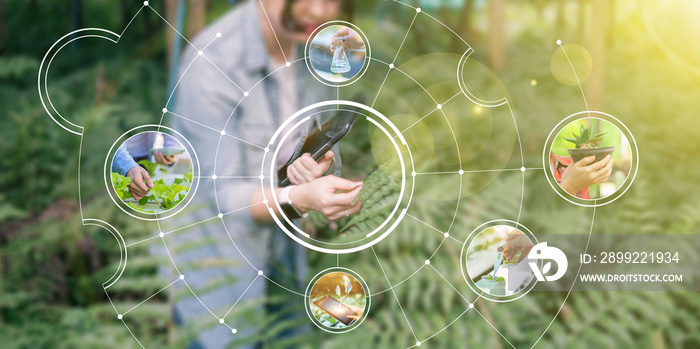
(209, 98)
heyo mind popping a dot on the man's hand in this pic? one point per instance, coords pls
(330, 195)
(517, 241)
(305, 169)
(140, 184)
(164, 159)
(357, 310)
(350, 39)
(582, 174)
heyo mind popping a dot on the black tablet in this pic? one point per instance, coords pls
(320, 141)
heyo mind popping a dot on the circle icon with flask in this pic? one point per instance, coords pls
(337, 53)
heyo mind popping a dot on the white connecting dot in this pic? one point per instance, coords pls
(265, 201)
(267, 150)
(461, 172)
(120, 316)
(165, 110)
(213, 177)
(182, 277)
(418, 344)
(221, 321)
(261, 177)
(413, 174)
(427, 262)
(260, 272)
(288, 64)
(245, 94)
(223, 132)
(391, 65)
(234, 331)
(220, 215)
(471, 305)
(218, 35)
(522, 169)
(558, 42)
(145, 3)
(200, 52)
(439, 106)
(418, 11)
(161, 234)
(447, 235)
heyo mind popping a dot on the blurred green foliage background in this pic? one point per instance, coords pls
(645, 71)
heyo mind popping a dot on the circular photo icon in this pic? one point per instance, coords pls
(338, 300)
(590, 158)
(496, 260)
(337, 53)
(151, 172)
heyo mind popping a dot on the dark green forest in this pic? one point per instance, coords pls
(645, 71)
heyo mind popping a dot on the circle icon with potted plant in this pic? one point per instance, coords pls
(337, 300)
(590, 158)
(494, 260)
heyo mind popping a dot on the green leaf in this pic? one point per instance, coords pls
(149, 166)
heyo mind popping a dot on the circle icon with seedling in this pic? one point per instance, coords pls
(337, 300)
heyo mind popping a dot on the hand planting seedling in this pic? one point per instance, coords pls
(150, 167)
(165, 195)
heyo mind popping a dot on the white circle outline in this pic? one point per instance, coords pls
(365, 288)
(158, 217)
(596, 202)
(463, 264)
(273, 164)
(403, 178)
(365, 65)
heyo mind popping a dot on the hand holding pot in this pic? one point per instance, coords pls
(584, 173)
(350, 39)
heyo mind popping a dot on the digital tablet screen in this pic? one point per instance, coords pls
(336, 309)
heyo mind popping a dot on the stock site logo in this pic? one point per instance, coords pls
(543, 252)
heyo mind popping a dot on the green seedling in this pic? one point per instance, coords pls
(149, 166)
(586, 139)
(489, 277)
(121, 185)
(168, 196)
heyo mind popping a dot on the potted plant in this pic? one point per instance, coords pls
(492, 285)
(588, 143)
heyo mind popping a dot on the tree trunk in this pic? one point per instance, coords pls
(170, 16)
(197, 17)
(464, 26)
(125, 10)
(561, 13)
(596, 83)
(497, 42)
(581, 27)
(2, 27)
